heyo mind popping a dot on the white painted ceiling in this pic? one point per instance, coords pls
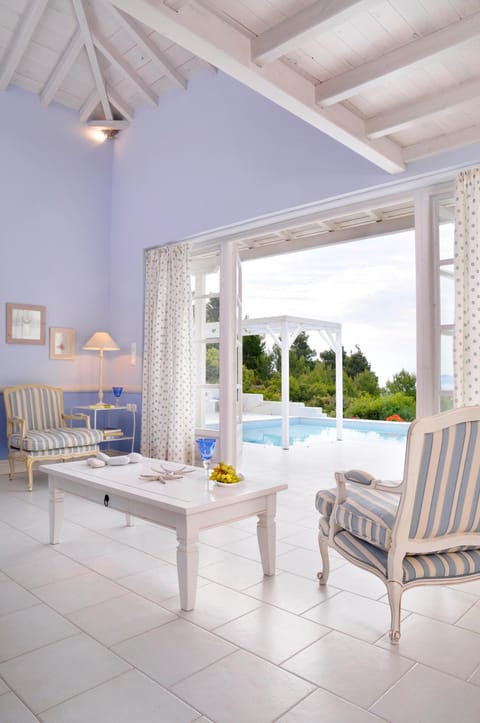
(394, 80)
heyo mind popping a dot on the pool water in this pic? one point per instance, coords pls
(303, 430)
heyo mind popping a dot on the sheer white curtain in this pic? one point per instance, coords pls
(466, 346)
(168, 396)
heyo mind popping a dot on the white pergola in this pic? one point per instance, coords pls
(284, 330)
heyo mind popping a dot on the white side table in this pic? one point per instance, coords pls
(99, 417)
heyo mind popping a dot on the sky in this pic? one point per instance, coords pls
(366, 286)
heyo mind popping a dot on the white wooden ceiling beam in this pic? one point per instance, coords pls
(443, 143)
(115, 59)
(93, 100)
(62, 68)
(124, 108)
(320, 17)
(92, 57)
(20, 40)
(409, 114)
(354, 81)
(147, 46)
(206, 35)
(89, 106)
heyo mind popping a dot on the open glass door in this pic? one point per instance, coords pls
(217, 300)
(444, 221)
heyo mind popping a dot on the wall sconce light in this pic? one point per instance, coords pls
(107, 129)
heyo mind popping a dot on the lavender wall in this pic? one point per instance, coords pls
(215, 155)
(55, 191)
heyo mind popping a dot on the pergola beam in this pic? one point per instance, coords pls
(320, 17)
(356, 80)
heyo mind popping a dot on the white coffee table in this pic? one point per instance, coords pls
(185, 505)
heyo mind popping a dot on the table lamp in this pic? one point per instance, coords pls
(101, 341)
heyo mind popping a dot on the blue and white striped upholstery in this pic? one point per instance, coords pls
(324, 501)
(448, 489)
(56, 439)
(368, 514)
(41, 407)
(459, 564)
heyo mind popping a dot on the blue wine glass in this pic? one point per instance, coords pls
(206, 445)
(117, 393)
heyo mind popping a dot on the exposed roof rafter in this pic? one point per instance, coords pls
(20, 41)
(113, 57)
(352, 82)
(92, 57)
(316, 18)
(405, 116)
(62, 68)
(147, 46)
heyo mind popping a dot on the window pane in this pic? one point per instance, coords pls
(446, 370)
(446, 240)
(447, 294)
(212, 363)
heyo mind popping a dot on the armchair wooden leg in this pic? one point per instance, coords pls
(394, 590)
(29, 465)
(323, 544)
(11, 464)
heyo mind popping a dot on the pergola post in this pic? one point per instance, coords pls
(285, 385)
(339, 384)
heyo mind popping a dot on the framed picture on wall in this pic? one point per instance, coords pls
(62, 343)
(25, 324)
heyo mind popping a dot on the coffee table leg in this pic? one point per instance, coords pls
(56, 511)
(187, 567)
(266, 535)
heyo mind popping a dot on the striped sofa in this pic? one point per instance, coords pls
(37, 430)
(424, 529)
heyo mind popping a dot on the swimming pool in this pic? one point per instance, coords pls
(306, 431)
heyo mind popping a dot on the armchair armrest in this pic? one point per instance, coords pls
(358, 476)
(78, 417)
(15, 423)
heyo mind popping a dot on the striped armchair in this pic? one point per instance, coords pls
(422, 530)
(37, 430)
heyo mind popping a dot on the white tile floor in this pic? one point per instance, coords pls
(91, 630)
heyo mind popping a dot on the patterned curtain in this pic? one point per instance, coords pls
(167, 403)
(466, 342)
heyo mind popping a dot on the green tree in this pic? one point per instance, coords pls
(255, 356)
(404, 382)
(356, 363)
(212, 364)
(302, 350)
(366, 382)
(328, 358)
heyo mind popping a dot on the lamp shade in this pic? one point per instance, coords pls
(101, 341)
